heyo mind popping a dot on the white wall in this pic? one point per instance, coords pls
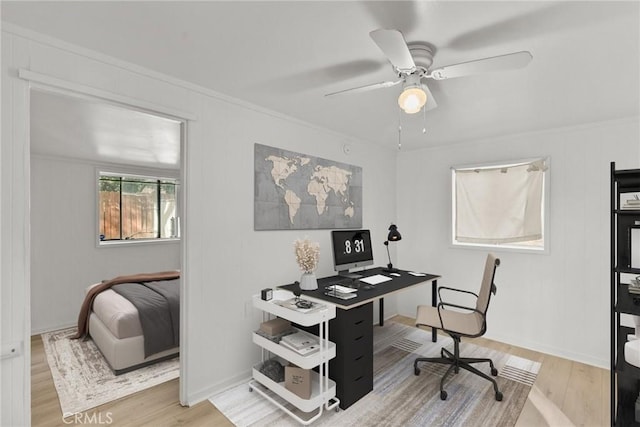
(224, 260)
(64, 256)
(228, 261)
(556, 303)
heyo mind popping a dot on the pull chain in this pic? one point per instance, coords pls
(424, 119)
(399, 129)
(424, 125)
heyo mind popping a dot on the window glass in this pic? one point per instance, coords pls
(137, 208)
(168, 215)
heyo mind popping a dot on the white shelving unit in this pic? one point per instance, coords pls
(323, 389)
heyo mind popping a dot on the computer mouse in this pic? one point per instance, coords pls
(367, 287)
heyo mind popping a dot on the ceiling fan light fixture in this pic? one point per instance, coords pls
(412, 99)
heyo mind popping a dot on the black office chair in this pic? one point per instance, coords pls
(460, 321)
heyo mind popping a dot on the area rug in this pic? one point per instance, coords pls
(399, 397)
(83, 378)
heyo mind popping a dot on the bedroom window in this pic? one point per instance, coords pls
(501, 205)
(136, 208)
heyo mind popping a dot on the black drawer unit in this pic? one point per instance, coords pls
(352, 368)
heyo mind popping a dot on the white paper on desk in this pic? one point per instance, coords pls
(374, 280)
(413, 273)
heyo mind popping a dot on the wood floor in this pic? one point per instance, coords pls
(565, 393)
(155, 407)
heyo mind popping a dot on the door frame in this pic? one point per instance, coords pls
(43, 82)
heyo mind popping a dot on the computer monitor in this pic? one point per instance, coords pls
(351, 249)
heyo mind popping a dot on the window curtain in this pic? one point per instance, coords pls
(501, 204)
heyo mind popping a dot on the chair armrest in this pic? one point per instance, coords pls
(456, 290)
(446, 304)
(443, 305)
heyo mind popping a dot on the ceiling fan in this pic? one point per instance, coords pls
(411, 62)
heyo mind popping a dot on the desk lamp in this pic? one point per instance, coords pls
(394, 236)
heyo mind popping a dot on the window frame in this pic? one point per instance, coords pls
(155, 175)
(505, 247)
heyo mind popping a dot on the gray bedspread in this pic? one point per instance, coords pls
(158, 305)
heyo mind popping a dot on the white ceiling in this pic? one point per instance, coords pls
(286, 55)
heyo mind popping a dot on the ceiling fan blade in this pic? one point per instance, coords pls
(486, 65)
(542, 19)
(393, 45)
(366, 87)
(431, 102)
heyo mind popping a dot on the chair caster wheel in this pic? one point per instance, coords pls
(443, 395)
(494, 372)
(499, 396)
(416, 370)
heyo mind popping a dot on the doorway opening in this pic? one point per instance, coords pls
(72, 137)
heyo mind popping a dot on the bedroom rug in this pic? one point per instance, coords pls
(400, 398)
(83, 378)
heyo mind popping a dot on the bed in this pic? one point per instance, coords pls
(115, 326)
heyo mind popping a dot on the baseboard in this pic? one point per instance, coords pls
(575, 357)
(51, 329)
(540, 348)
(222, 386)
(386, 319)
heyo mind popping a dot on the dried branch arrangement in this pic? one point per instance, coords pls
(307, 254)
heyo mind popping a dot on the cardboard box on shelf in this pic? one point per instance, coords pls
(275, 326)
(298, 381)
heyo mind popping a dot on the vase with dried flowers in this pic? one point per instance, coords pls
(307, 256)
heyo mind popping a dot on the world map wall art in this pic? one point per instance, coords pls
(294, 191)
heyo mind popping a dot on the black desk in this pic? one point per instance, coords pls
(352, 329)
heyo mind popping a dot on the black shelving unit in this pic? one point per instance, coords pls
(625, 217)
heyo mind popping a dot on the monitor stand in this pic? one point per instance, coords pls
(354, 276)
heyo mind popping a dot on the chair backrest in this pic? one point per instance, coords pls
(487, 287)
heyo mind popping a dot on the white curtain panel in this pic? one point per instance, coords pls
(499, 204)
